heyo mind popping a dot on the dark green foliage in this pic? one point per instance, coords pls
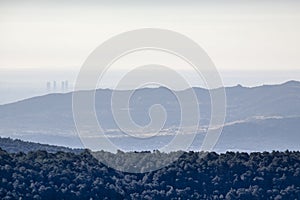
(16, 145)
(195, 175)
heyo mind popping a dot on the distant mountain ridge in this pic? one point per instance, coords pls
(49, 119)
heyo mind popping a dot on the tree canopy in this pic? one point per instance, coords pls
(195, 175)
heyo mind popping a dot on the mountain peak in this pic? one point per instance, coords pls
(292, 83)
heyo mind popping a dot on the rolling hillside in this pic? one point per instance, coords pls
(266, 115)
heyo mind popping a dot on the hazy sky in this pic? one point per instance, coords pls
(238, 35)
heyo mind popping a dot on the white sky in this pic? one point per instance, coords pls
(237, 35)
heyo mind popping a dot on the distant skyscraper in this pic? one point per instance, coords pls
(66, 85)
(62, 86)
(54, 85)
(48, 86)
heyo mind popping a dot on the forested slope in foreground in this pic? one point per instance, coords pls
(15, 145)
(195, 175)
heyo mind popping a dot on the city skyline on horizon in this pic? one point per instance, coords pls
(13, 89)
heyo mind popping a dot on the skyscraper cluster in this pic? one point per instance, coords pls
(52, 86)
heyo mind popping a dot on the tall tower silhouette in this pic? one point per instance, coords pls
(48, 86)
(66, 85)
(62, 86)
(54, 86)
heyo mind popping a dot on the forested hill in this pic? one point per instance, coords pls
(16, 145)
(43, 175)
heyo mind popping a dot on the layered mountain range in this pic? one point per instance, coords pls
(259, 118)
